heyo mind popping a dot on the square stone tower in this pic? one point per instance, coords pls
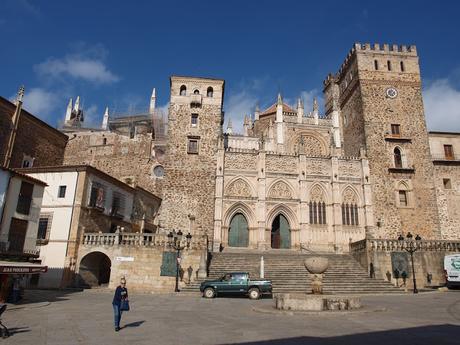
(194, 130)
(378, 93)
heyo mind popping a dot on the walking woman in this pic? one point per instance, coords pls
(121, 295)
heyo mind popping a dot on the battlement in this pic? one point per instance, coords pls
(376, 48)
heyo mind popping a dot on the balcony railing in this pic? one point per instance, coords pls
(382, 245)
(17, 249)
(450, 158)
(23, 206)
(136, 239)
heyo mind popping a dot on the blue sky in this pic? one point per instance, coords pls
(114, 53)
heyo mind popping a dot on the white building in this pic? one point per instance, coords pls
(20, 202)
(81, 199)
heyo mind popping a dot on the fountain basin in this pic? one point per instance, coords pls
(303, 302)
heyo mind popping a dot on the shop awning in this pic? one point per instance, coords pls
(9, 267)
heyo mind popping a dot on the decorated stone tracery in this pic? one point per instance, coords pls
(239, 188)
(280, 190)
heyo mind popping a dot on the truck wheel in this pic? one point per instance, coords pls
(254, 293)
(209, 293)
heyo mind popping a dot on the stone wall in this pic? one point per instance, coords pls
(448, 198)
(34, 138)
(129, 160)
(142, 272)
(428, 260)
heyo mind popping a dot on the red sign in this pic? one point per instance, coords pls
(23, 269)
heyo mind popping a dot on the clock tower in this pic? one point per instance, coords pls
(378, 92)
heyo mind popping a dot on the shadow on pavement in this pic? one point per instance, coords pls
(134, 324)
(16, 330)
(45, 295)
(427, 335)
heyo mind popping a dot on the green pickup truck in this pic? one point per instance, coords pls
(236, 283)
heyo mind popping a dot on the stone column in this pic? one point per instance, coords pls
(261, 205)
(367, 200)
(336, 204)
(218, 204)
(303, 196)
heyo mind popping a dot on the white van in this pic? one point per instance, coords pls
(452, 270)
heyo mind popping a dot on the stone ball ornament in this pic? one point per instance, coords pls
(316, 265)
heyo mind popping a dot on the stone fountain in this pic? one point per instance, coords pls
(316, 300)
(317, 265)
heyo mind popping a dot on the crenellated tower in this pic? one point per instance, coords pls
(377, 92)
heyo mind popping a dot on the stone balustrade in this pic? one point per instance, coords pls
(383, 245)
(137, 239)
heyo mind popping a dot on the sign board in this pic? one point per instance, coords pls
(400, 265)
(23, 269)
(169, 264)
(124, 258)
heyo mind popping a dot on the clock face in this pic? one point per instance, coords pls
(391, 92)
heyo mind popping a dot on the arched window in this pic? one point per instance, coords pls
(350, 214)
(183, 90)
(403, 195)
(389, 65)
(196, 92)
(104, 141)
(210, 92)
(397, 158)
(376, 65)
(402, 66)
(317, 207)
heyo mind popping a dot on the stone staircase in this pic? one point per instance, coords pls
(288, 274)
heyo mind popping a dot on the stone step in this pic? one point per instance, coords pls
(287, 272)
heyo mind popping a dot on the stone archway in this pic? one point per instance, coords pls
(238, 233)
(94, 270)
(281, 233)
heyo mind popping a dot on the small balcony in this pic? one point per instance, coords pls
(19, 249)
(447, 159)
(195, 100)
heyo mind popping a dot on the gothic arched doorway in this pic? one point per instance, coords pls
(95, 269)
(281, 234)
(238, 234)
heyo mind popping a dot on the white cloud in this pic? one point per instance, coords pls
(91, 116)
(308, 96)
(91, 69)
(40, 102)
(442, 106)
(239, 104)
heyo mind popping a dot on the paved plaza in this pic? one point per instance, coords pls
(86, 318)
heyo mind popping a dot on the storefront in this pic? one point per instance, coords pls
(13, 277)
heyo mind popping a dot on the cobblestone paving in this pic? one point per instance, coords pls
(86, 318)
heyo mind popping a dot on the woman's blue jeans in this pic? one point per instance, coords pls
(116, 315)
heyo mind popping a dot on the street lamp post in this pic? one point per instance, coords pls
(174, 241)
(411, 247)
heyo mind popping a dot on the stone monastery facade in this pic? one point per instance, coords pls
(294, 178)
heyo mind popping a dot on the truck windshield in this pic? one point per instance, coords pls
(240, 276)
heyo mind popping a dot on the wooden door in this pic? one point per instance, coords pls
(17, 235)
(285, 233)
(238, 234)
